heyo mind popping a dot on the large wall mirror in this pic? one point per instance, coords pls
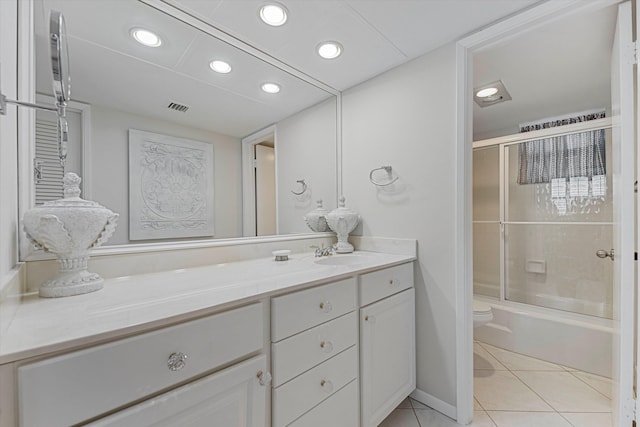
(173, 96)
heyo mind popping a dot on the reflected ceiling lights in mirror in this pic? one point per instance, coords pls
(270, 87)
(219, 66)
(329, 49)
(273, 14)
(146, 37)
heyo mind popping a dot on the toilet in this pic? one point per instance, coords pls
(482, 313)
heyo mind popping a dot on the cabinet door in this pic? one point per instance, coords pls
(387, 355)
(232, 397)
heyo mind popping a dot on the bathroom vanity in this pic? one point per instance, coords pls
(305, 342)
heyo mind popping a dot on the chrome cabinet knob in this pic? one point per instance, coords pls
(326, 385)
(177, 361)
(603, 254)
(326, 306)
(326, 346)
(264, 378)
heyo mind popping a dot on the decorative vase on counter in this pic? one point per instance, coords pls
(343, 221)
(69, 228)
(317, 218)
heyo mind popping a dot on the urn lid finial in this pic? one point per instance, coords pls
(71, 185)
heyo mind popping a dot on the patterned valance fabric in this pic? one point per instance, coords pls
(576, 155)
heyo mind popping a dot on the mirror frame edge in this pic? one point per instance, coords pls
(26, 132)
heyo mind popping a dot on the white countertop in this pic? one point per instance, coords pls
(133, 304)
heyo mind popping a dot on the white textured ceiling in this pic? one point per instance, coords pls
(557, 69)
(108, 68)
(376, 34)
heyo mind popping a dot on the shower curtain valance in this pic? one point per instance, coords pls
(576, 155)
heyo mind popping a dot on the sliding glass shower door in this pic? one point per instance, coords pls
(486, 222)
(547, 234)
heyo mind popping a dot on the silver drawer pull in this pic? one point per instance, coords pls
(264, 378)
(326, 385)
(326, 346)
(177, 361)
(326, 306)
(392, 282)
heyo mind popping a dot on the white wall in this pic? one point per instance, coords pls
(110, 167)
(306, 149)
(8, 140)
(406, 118)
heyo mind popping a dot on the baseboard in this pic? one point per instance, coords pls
(435, 403)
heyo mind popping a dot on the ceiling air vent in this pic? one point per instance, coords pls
(178, 107)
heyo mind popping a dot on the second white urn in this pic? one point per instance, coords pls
(343, 221)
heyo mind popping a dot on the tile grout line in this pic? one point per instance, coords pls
(580, 379)
(513, 372)
(413, 409)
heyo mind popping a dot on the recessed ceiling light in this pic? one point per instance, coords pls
(146, 37)
(270, 87)
(220, 66)
(329, 50)
(491, 94)
(273, 14)
(487, 92)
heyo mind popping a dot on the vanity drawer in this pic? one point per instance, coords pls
(293, 399)
(68, 389)
(340, 410)
(294, 355)
(380, 284)
(232, 397)
(305, 309)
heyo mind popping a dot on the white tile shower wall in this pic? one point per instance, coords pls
(486, 207)
(406, 118)
(306, 149)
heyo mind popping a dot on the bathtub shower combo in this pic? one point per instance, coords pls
(542, 233)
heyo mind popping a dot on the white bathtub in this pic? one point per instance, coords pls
(576, 341)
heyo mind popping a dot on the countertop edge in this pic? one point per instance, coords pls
(73, 344)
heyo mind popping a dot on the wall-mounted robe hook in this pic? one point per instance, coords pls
(304, 187)
(388, 170)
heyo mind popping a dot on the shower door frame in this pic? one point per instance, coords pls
(502, 144)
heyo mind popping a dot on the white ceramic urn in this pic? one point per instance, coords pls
(343, 221)
(69, 228)
(317, 218)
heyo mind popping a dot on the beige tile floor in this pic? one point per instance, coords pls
(513, 390)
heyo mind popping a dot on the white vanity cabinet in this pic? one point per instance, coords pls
(315, 357)
(387, 341)
(336, 354)
(82, 385)
(234, 397)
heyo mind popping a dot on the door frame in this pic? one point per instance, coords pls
(527, 20)
(249, 179)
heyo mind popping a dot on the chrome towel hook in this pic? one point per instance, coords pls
(304, 187)
(388, 170)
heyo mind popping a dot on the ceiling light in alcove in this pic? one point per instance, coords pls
(329, 50)
(273, 14)
(484, 93)
(146, 37)
(220, 66)
(270, 87)
(491, 94)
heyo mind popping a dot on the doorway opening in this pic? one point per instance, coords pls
(260, 214)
